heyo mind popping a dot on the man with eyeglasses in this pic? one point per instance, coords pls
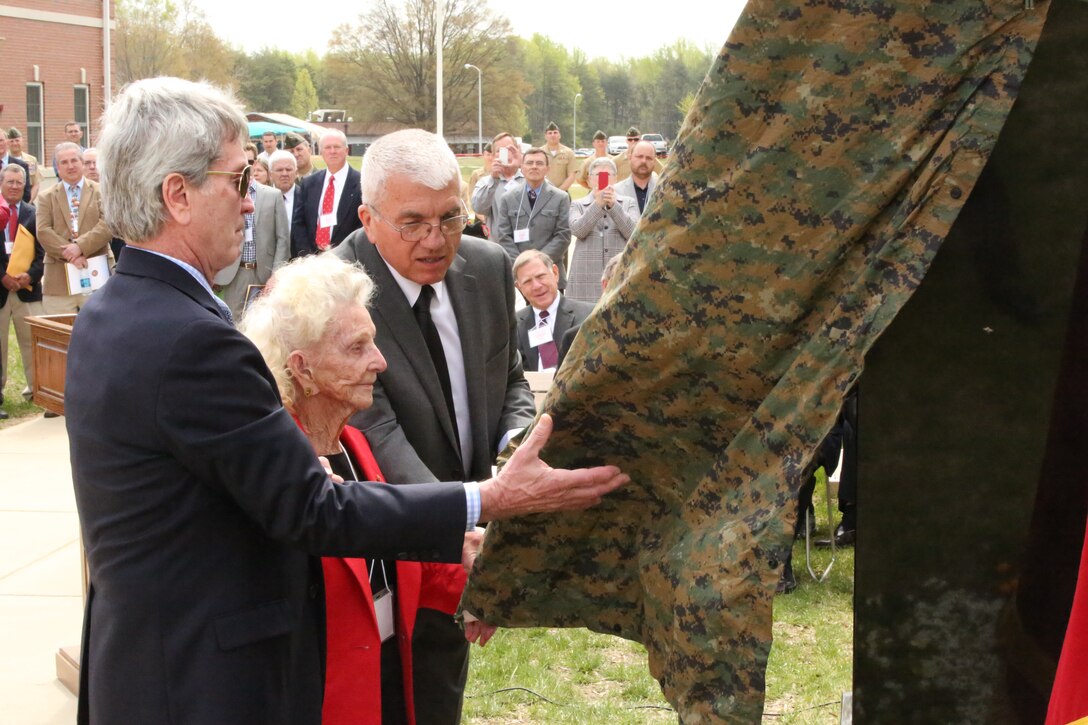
(202, 505)
(534, 215)
(454, 391)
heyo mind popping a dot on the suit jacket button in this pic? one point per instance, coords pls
(312, 591)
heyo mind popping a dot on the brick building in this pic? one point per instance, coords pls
(53, 55)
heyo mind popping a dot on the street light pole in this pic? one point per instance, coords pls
(439, 32)
(574, 131)
(479, 103)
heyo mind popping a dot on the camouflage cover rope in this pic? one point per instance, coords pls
(825, 158)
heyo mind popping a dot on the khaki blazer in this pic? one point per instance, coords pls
(55, 232)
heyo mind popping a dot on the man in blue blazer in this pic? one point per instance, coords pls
(326, 202)
(200, 501)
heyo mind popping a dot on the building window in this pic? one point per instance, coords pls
(82, 113)
(35, 141)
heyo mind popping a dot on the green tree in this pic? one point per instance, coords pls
(304, 98)
(267, 81)
(554, 84)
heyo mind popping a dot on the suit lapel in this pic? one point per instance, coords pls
(564, 319)
(462, 289)
(86, 201)
(391, 312)
(524, 325)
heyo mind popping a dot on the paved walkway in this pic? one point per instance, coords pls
(41, 607)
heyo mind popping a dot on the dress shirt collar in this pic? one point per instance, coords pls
(412, 289)
(553, 310)
(340, 176)
(193, 271)
(68, 187)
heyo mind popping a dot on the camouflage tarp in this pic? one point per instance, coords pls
(821, 166)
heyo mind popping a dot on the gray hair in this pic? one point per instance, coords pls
(281, 155)
(154, 128)
(422, 156)
(332, 132)
(67, 146)
(13, 168)
(531, 255)
(297, 307)
(603, 161)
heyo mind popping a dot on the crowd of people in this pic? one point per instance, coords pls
(381, 337)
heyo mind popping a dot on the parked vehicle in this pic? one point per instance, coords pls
(617, 144)
(583, 153)
(661, 147)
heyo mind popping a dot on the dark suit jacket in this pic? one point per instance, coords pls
(200, 502)
(308, 207)
(548, 223)
(568, 316)
(27, 218)
(26, 176)
(408, 427)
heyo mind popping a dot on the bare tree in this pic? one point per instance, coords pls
(387, 61)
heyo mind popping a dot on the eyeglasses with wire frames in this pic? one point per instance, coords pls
(414, 232)
(243, 178)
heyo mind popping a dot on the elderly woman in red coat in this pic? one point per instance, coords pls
(315, 333)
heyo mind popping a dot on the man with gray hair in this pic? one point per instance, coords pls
(72, 229)
(201, 502)
(454, 392)
(327, 202)
(6, 158)
(284, 171)
(549, 315)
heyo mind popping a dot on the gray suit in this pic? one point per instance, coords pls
(548, 223)
(488, 191)
(627, 188)
(412, 434)
(569, 315)
(272, 237)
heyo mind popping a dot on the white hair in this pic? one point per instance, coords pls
(333, 132)
(424, 157)
(281, 155)
(603, 161)
(154, 128)
(297, 306)
(12, 168)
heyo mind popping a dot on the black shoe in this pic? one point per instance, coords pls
(50, 414)
(787, 583)
(843, 537)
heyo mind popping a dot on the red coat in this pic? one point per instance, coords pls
(353, 664)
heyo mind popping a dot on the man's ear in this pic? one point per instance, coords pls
(176, 197)
(367, 219)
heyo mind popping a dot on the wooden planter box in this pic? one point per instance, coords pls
(50, 335)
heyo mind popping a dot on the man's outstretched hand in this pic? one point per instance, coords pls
(528, 485)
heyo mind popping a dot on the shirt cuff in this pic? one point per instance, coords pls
(472, 504)
(506, 439)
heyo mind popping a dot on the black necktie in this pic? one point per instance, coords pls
(422, 310)
(532, 198)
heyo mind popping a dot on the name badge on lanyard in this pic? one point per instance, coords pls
(383, 606)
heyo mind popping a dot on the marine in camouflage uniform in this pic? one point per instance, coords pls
(820, 168)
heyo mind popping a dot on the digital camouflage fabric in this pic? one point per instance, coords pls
(821, 166)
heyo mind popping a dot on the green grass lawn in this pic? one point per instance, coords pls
(16, 408)
(576, 676)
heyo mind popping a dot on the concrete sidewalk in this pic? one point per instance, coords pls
(41, 607)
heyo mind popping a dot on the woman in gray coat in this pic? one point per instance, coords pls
(603, 223)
